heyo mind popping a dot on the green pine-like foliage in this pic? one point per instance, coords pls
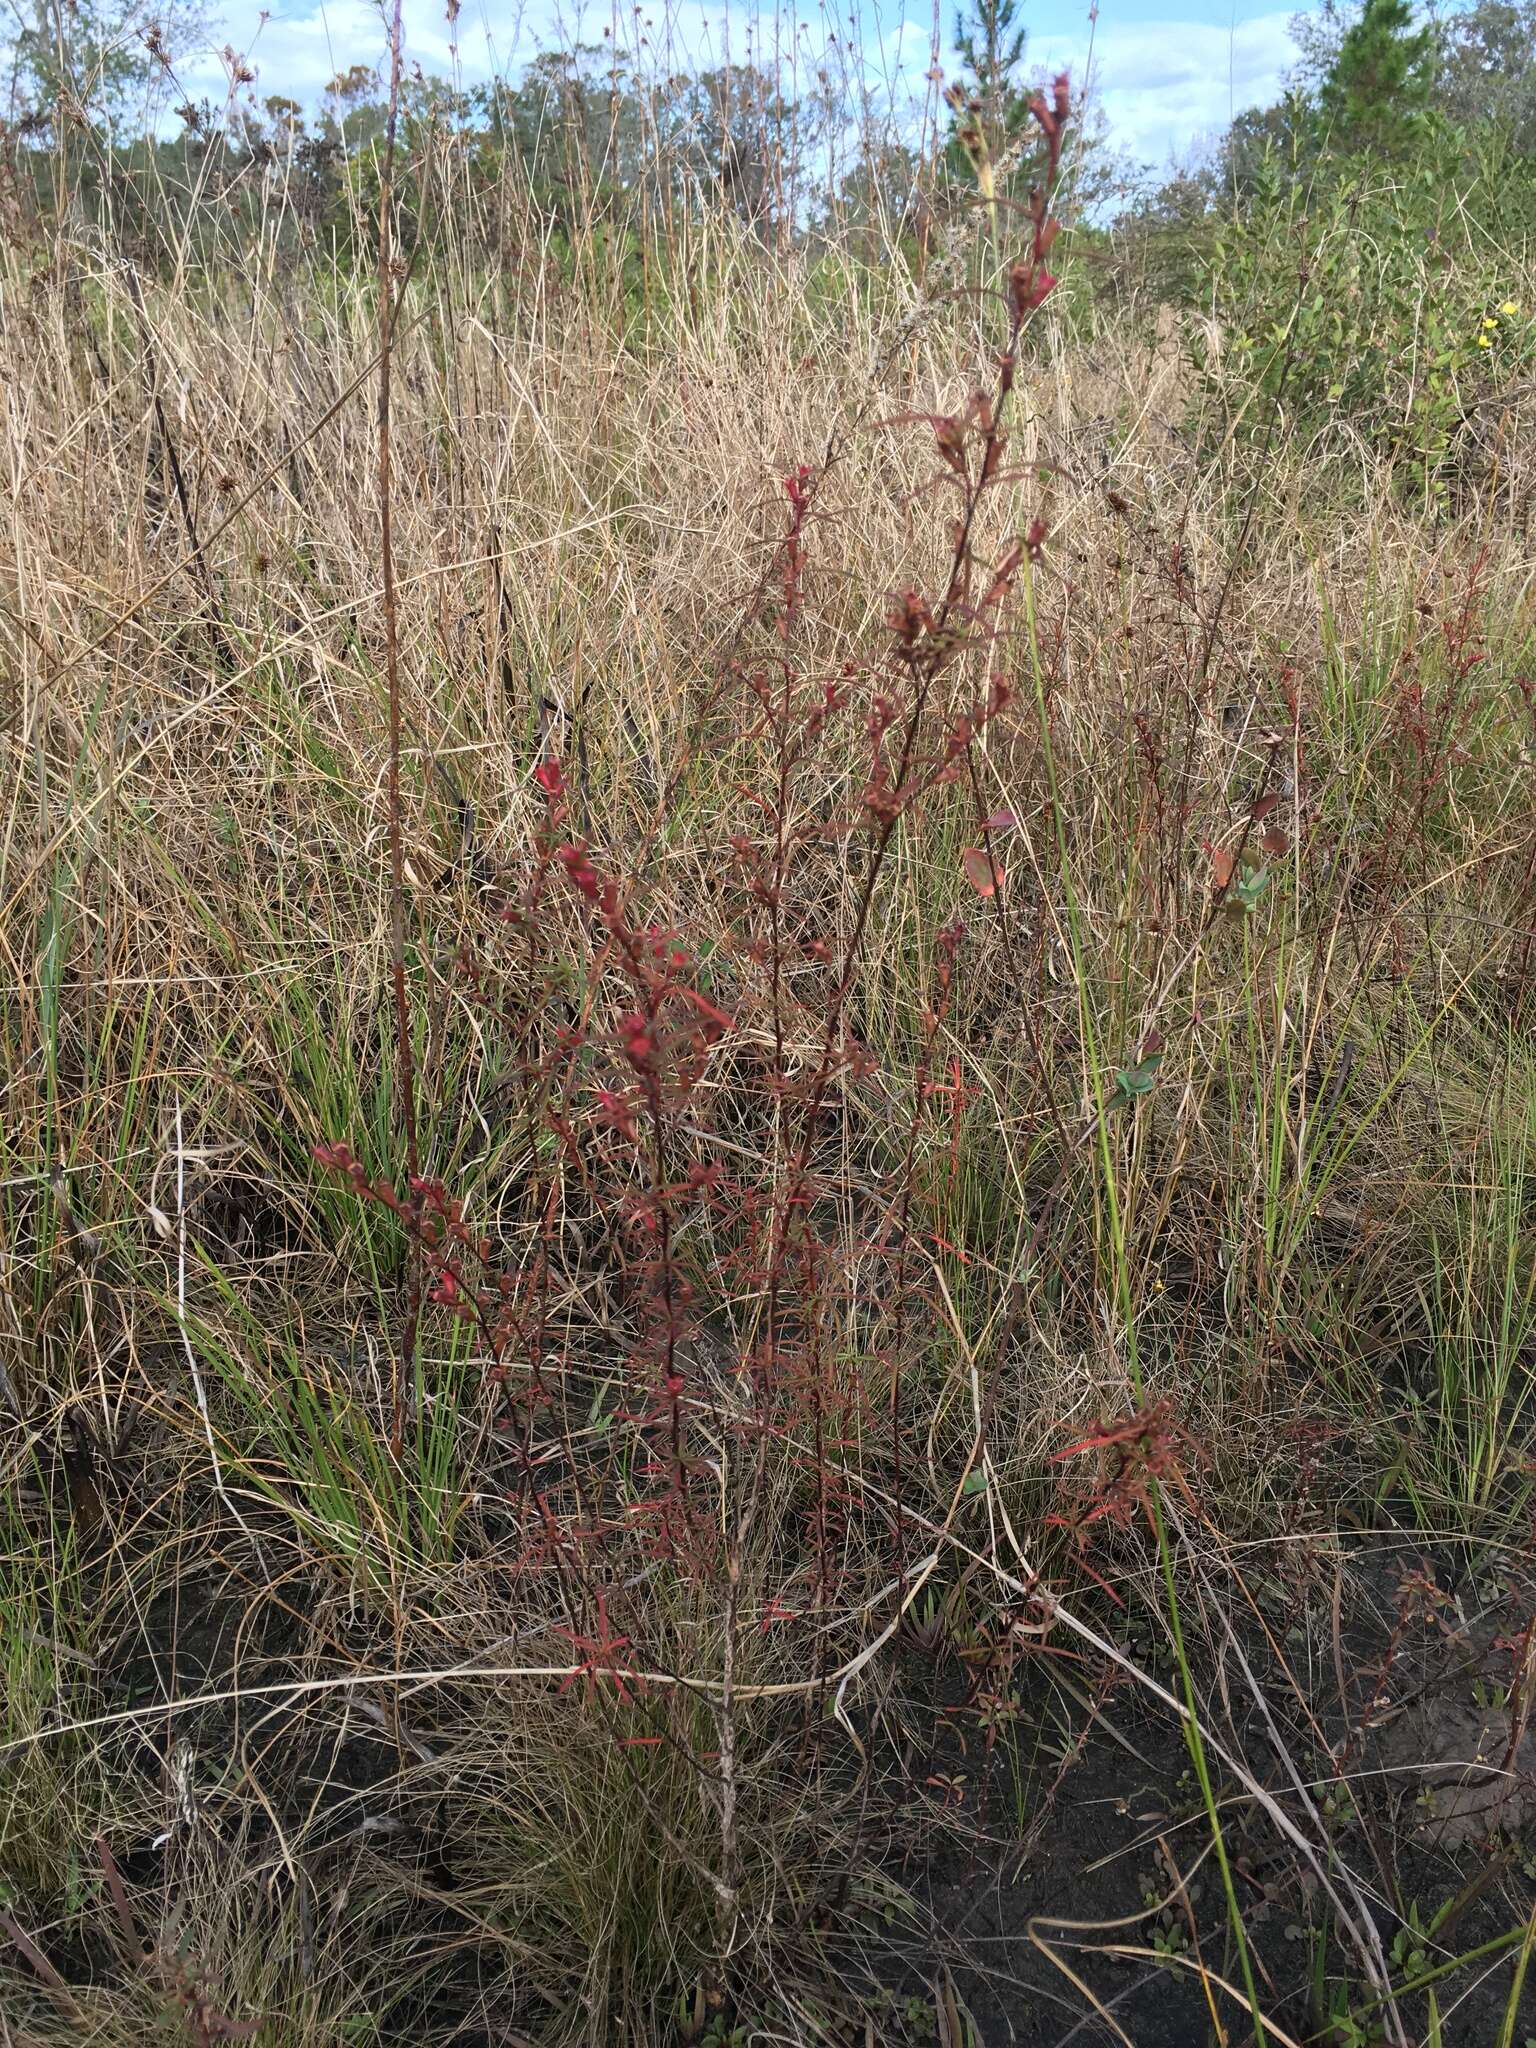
(1376, 99)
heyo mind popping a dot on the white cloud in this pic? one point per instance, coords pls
(1162, 84)
(298, 51)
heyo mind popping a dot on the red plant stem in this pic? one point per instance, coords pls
(405, 1064)
(924, 663)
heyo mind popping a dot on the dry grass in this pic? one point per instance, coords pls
(1309, 1242)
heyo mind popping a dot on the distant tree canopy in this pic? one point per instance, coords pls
(592, 137)
(1371, 81)
(990, 43)
(106, 60)
(1486, 68)
(1377, 93)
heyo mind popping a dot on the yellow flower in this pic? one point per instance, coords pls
(1510, 308)
(1484, 341)
(1489, 321)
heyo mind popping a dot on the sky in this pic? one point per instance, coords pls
(1170, 73)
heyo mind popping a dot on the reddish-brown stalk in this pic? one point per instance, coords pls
(405, 1064)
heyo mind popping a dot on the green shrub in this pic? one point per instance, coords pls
(1391, 297)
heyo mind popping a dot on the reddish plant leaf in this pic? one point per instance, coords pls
(983, 874)
(1001, 821)
(1275, 842)
(1264, 806)
(1223, 866)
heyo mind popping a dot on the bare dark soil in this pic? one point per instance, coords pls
(1106, 1879)
(1050, 1866)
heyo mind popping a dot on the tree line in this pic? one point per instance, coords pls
(594, 135)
